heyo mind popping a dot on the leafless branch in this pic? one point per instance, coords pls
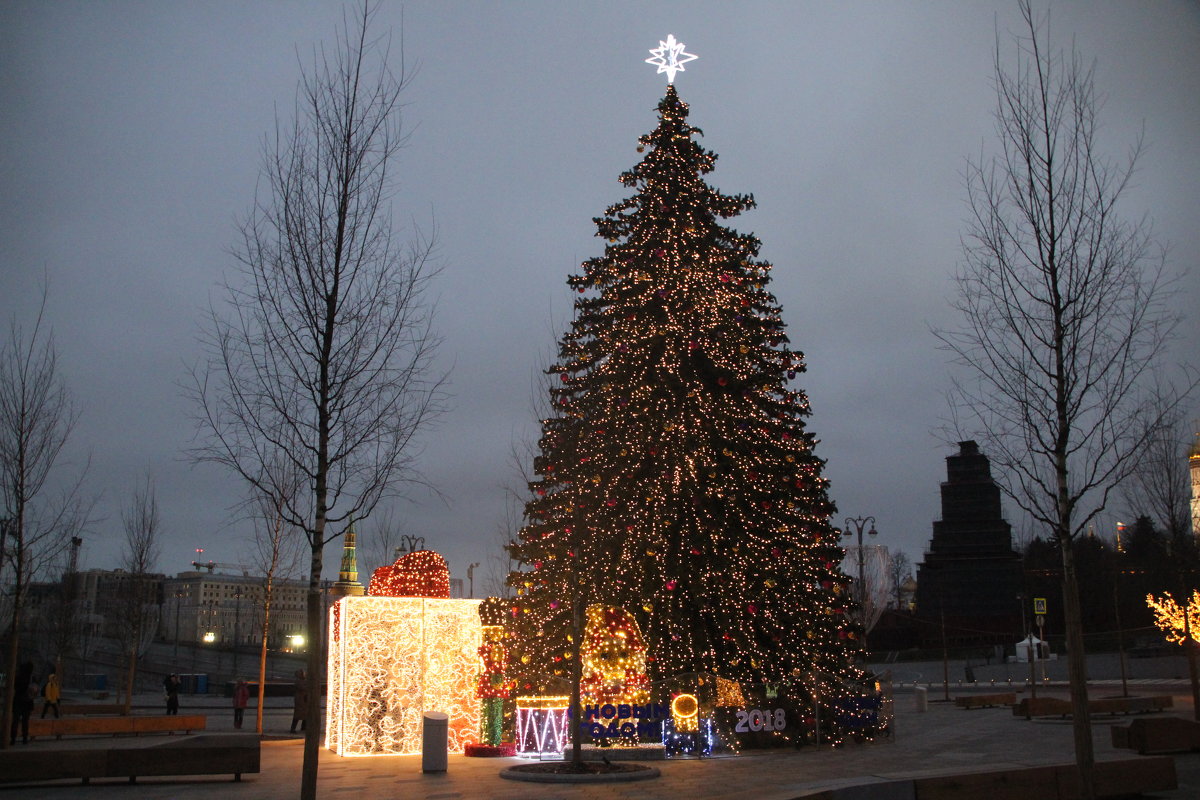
(321, 358)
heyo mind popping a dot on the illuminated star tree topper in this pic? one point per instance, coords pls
(669, 57)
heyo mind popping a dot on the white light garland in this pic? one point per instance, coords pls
(391, 659)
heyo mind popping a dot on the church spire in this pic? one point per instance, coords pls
(347, 582)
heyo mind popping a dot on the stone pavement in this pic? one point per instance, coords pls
(942, 740)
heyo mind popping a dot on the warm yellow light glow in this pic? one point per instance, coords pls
(391, 659)
(210, 637)
(1169, 616)
(685, 710)
(729, 694)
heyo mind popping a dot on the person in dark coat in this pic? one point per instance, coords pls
(241, 695)
(25, 690)
(300, 701)
(171, 690)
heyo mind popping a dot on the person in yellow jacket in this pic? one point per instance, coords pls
(52, 693)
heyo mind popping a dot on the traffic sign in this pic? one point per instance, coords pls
(1039, 606)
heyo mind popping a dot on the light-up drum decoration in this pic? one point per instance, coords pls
(542, 726)
(391, 659)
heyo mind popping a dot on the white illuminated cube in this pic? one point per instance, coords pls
(391, 659)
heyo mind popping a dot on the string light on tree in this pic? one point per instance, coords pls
(676, 475)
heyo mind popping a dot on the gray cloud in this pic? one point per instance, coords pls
(133, 134)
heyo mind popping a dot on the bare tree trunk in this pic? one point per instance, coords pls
(131, 673)
(262, 669)
(1081, 723)
(316, 677)
(14, 642)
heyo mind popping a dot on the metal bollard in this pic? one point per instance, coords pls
(921, 693)
(434, 735)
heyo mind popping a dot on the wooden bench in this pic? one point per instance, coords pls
(84, 709)
(236, 754)
(1157, 735)
(99, 726)
(1130, 705)
(970, 701)
(1042, 707)
(1057, 707)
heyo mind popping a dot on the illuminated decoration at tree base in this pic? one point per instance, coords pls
(494, 688)
(391, 659)
(542, 726)
(614, 662)
(697, 741)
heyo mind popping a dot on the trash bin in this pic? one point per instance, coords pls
(434, 735)
(921, 693)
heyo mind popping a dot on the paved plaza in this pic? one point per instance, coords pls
(942, 740)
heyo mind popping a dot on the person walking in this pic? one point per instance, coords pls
(52, 694)
(299, 700)
(25, 690)
(171, 690)
(241, 694)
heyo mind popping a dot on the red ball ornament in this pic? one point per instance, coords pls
(775, 551)
(671, 584)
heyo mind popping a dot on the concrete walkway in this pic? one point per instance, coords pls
(942, 740)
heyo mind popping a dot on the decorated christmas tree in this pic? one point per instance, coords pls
(676, 477)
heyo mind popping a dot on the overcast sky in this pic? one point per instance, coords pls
(132, 136)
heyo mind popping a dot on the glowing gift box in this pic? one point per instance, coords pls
(391, 659)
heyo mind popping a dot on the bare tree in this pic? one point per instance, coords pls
(62, 626)
(325, 350)
(876, 588)
(1064, 314)
(1159, 485)
(136, 616)
(37, 416)
(277, 554)
(900, 571)
(379, 542)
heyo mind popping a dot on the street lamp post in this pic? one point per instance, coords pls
(860, 523)
(471, 579)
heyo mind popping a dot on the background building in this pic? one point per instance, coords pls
(971, 577)
(207, 607)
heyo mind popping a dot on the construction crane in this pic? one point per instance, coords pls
(212, 565)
